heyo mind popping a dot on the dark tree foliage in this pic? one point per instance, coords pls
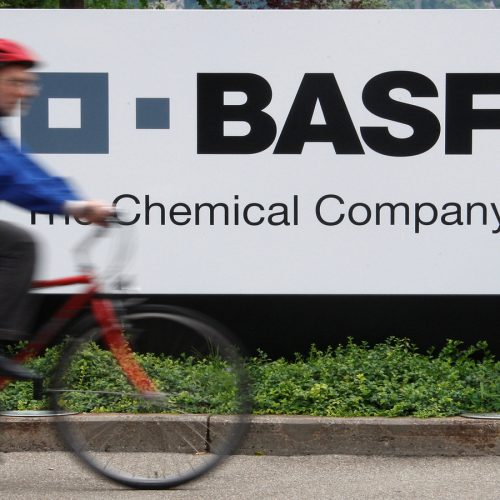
(74, 4)
(27, 4)
(349, 4)
(71, 4)
(311, 4)
(257, 4)
(445, 4)
(42, 4)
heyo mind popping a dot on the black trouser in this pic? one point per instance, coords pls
(17, 261)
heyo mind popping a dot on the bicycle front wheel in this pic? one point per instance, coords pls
(158, 404)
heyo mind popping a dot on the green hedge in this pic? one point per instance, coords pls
(389, 379)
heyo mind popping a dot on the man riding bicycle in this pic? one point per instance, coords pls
(25, 184)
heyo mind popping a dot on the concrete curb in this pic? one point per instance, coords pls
(373, 436)
(278, 435)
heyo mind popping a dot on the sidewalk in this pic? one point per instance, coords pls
(283, 435)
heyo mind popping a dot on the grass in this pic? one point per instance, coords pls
(388, 379)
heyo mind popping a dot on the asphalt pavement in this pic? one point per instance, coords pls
(50, 475)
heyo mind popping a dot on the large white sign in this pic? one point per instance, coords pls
(276, 152)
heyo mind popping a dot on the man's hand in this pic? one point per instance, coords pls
(92, 211)
(97, 212)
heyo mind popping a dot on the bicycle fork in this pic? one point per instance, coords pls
(113, 335)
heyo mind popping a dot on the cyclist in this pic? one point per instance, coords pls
(26, 184)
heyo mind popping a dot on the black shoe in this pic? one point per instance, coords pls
(9, 368)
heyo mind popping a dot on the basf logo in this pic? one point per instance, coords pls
(70, 115)
(276, 151)
(338, 129)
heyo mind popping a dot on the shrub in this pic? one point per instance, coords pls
(389, 379)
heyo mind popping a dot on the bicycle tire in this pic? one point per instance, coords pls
(198, 373)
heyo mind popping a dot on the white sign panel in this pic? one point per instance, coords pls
(322, 152)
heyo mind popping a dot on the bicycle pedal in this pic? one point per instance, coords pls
(154, 396)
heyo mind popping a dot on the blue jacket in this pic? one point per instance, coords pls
(24, 183)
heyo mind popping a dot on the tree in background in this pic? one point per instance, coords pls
(28, 4)
(256, 4)
(294, 4)
(312, 4)
(444, 4)
(349, 4)
(74, 4)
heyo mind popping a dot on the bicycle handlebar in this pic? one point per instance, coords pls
(120, 255)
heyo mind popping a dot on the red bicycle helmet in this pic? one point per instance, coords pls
(13, 53)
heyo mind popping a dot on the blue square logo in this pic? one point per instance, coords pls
(152, 113)
(84, 134)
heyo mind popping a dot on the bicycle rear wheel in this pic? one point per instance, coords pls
(158, 411)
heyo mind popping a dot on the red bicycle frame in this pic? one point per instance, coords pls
(106, 318)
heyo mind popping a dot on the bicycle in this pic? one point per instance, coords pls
(168, 369)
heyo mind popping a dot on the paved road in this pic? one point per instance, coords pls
(53, 475)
